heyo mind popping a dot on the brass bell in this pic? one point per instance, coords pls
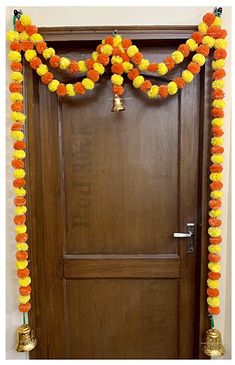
(213, 346)
(25, 340)
(117, 104)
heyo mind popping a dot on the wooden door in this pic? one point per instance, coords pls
(107, 192)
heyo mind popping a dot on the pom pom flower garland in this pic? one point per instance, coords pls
(123, 58)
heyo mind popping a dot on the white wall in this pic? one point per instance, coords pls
(75, 16)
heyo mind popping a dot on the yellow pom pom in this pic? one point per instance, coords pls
(214, 248)
(17, 135)
(220, 43)
(19, 173)
(191, 44)
(17, 77)
(216, 194)
(23, 36)
(117, 40)
(218, 84)
(217, 22)
(14, 56)
(177, 56)
(162, 69)
(24, 281)
(94, 56)
(219, 103)
(98, 67)
(23, 299)
(42, 70)
(153, 91)
(217, 122)
(20, 210)
(209, 41)
(19, 154)
(187, 76)
(21, 264)
(22, 246)
(216, 65)
(20, 117)
(217, 158)
(213, 301)
(25, 19)
(70, 90)
(30, 54)
(202, 27)
(214, 267)
(216, 141)
(35, 38)
(116, 59)
(127, 66)
(214, 231)
(20, 192)
(16, 97)
(64, 63)
(216, 176)
(213, 284)
(48, 53)
(132, 50)
(215, 213)
(88, 84)
(117, 79)
(199, 59)
(53, 85)
(107, 49)
(82, 66)
(144, 63)
(172, 88)
(138, 81)
(12, 36)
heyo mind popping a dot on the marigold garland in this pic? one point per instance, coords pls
(124, 58)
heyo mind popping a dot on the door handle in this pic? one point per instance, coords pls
(189, 234)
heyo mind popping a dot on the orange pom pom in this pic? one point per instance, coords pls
(25, 290)
(98, 48)
(19, 201)
(16, 126)
(137, 58)
(214, 257)
(215, 240)
(184, 48)
(19, 145)
(23, 273)
(22, 237)
(35, 62)
(197, 37)
(89, 63)
(180, 82)
(214, 310)
(209, 18)
(22, 255)
(217, 150)
(117, 68)
(16, 46)
(19, 26)
(214, 275)
(109, 40)
(41, 46)
(212, 292)
(79, 88)
(119, 90)
(103, 59)
(17, 106)
(133, 73)
(27, 45)
(152, 67)
(24, 307)
(194, 68)
(217, 94)
(117, 52)
(215, 222)
(18, 183)
(15, 87)
(215, 203)
(222, 33)
(219, 54)
(217, 112)
(16, 66)
(213, 32)
(145, 86)
(47, 78)
(17, 164)
(216, 168)
(20, 219)
(217, 131)
(54, 61)
(169, 62)
(93, 75)
(125, 57)
(31, 29)
(61, 90)
(73, 67)
(163, 91)
(203, 49)
(219, 74)
(126, 42)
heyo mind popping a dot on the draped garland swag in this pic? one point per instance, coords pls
(125, 59)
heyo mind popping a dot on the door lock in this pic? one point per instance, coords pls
(189, 234)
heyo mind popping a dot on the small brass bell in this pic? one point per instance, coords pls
(117, 104)
(213, 346)
(25, 339)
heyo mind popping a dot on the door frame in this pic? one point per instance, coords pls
(164, 34)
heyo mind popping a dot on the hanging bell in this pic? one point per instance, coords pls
(25, 339)
(117, 104)
(213, 346)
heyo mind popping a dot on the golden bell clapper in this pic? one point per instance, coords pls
(213, 345)
(117, 104)
(25, 340)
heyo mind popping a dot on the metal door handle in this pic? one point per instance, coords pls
(189, 234)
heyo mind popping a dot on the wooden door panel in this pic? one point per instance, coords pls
(130, 318)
